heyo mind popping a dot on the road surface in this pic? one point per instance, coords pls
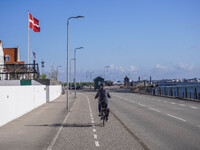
(136, 122)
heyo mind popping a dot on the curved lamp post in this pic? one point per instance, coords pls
(105, 72)
(75, 67)
(67, 105)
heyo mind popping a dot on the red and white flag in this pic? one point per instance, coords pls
(34, 23)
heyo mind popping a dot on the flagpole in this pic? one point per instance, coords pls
(28, 38)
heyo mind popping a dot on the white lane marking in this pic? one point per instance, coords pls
(95, 136)
(199, 126)
(173, 103)
(181, 104)
(92, 121)
(176, 117)
(94, 130)
(141, 105)
(59, 130)
(193, 107)
(92, 118)
(132, 101)
(165, 101)
(154, 109)
(97, 143)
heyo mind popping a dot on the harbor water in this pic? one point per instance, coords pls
(180, 90)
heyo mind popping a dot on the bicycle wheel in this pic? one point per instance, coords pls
(103, 118)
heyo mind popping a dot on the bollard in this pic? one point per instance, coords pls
(186, 95)
(171, 92)
(195, 93)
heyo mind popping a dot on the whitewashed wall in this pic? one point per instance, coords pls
(16, 101)
(54, 91)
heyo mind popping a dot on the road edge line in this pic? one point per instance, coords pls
(133, 134)
(59, 130)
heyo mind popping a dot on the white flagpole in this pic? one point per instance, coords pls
(28, 38)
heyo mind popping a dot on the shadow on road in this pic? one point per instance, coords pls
(67, 125)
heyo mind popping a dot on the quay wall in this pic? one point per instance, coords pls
(16, 101)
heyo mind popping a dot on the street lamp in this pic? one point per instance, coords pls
(75, 67)
(67, 105)
(88, 71)
(70, 70)
(57, 72)
(105, 72)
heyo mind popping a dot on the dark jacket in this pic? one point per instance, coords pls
(103, 95)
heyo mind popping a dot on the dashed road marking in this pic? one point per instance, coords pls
(181, 104)
(97, 143)
(176, 117)
(154, 109)
(193, 107)
(141, 105)
(173, 103)
(165, 101)
(92, 120)
(95, 136)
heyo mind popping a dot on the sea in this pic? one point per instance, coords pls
(181, 87)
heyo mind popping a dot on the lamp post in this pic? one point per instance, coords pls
(67, 105)
(88, 71)
(91, 78)
(75, 67)
(105, 72)
(57, 72)
(70, 70)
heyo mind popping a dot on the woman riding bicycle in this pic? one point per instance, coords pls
(103, 97)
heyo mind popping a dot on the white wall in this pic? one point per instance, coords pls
(54, 91)
(16, 101)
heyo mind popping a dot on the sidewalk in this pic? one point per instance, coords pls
(31, 131)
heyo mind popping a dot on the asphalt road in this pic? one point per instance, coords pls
(161, 123)
(135, 122)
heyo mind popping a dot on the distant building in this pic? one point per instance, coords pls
(11, 68)
(108, 83)
(97, 82)
(11, 56)
(126, 81)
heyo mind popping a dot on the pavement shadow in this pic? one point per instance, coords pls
(68, 125)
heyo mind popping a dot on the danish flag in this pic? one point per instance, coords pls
(34, 23)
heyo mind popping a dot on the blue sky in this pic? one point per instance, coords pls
(158, 38)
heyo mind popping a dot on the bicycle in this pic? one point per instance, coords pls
(103, 114)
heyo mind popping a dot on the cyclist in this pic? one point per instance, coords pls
(103, 98)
